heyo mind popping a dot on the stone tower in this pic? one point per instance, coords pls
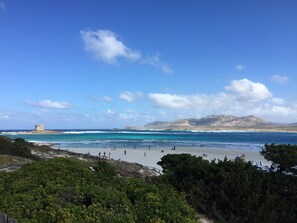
(39, 127)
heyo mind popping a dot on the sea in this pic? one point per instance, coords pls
(107, 138)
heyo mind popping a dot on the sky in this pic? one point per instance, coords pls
(109, 64)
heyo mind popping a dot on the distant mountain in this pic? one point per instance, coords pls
(293, 124)
(212, 121)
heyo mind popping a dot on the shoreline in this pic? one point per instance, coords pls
(273, 129)
(150, 157)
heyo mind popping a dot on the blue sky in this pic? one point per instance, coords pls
(106, 64)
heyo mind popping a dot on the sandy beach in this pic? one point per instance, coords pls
(150, 157)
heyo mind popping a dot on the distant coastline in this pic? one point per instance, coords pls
(212, 123)
(220, 123)
(292, 129)
(223, 129)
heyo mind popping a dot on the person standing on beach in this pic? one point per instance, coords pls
(144, 153)
(125, 152)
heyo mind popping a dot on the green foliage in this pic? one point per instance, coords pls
(18, 147)
(232, 191)
(285, 156)
(65, 190)
(105, 168)
(157, 203)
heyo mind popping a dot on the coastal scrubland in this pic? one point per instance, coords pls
(70, 190)
(82, 188)
(236, 191)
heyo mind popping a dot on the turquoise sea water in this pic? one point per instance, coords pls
(158, 139)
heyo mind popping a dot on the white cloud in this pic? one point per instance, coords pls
(171, 100)
(106, 99)
(110, 112)
(129, 96)
(239, 67)
(104, 45)
(156, 62)
(278, 101)
(276, 113)
(198, 102)
(244, 97)
(45, 104)
(101, 98)
(247, 90)
(280, 79)
(127, 115)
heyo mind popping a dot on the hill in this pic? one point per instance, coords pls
(212, 121)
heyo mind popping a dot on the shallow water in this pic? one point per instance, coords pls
(159, 139)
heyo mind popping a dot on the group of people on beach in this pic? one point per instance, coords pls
(104, 155)
(125, 151)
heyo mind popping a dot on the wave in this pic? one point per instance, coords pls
(223, 131)
(9, 133)
(84, 132)
(146, 132)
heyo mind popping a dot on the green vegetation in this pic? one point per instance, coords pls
(65, 190)
(283, 156)
(18, 147)
(4, 159)
(232, 191)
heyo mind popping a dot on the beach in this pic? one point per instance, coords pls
(145, 147)
(150, 157)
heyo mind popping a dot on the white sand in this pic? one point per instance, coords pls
(150, 157)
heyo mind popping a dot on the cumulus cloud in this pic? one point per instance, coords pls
(280, 79)
(170, 100)
(156, 62)
(49, 104)
(239, 67)
(247, 90)
(198, 102)
(129, 96)
(104, 45)
(243, 97)
(277, 113)
(240, 92)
